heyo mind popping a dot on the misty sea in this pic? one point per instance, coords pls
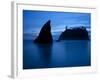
(68, 53)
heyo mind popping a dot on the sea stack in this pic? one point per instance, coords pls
(45, 35)
(79, 33)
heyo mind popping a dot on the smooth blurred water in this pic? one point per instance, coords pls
(69, 53)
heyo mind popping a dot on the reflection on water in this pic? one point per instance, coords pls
(45, 53)
(58, 54)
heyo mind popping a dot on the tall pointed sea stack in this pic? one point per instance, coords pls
(45, 35)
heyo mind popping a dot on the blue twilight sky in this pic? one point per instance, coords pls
(34, 20)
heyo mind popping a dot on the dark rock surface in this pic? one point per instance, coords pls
(74, 34)
(45, 35)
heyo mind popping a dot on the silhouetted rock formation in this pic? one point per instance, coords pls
(74, 34)
(45, 35)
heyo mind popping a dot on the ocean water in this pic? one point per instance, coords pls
(68, 53)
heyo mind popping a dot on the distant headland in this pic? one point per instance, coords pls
(79, 33)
